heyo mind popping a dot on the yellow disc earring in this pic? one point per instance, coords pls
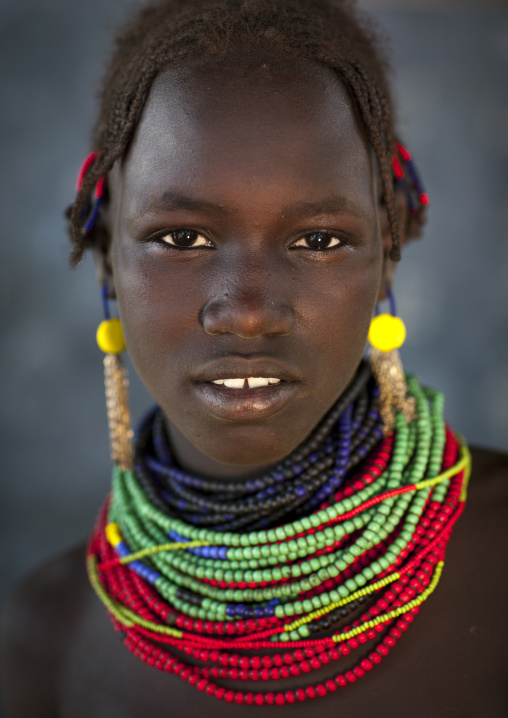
(386, 334)
(111, 340)
(110, 336)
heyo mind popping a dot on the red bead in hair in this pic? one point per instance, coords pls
(84, 169)
(397, 169)
(403, 152)
(99, 188)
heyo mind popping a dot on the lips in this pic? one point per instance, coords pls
(252, 382)
(240, 401)
(245, 367)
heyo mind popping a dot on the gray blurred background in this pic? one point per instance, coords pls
(451, 61)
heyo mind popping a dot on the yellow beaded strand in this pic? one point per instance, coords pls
(339, 637)
(463, 463)
(337, 604)
(124, 615)
(112, 606)
(114, 537)
(128, 618)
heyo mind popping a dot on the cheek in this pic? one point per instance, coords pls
(339, 312)
(157, 307)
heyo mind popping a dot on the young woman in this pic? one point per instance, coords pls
(283, 514)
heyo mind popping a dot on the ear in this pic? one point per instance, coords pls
(409, 226)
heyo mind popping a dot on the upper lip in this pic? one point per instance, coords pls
(244, 367)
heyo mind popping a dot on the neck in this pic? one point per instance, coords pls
(195, 462)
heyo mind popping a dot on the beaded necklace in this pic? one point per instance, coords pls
(245, 578)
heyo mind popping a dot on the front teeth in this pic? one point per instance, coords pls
(251, 383)
(234, 383)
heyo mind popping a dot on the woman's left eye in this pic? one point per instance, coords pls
(185, 239)
(317, 241)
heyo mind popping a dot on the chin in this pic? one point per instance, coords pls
(248, 446)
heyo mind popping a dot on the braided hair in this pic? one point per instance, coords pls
(331, 32)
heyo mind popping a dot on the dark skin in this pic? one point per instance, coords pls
(255, 301)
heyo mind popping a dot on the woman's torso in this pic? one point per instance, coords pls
(451, 661)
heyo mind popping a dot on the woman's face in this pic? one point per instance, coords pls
(245, 245)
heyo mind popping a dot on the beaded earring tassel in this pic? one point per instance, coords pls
(386, 334)
(111, 340)
(117, 402)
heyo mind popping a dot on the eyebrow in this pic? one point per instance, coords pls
(173, 200)
(333, 205)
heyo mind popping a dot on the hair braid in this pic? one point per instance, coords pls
(331, 32)
(376, 116)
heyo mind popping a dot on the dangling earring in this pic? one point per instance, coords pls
(111, 340)
(386, 334)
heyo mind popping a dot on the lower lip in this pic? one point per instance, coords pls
(246, 404)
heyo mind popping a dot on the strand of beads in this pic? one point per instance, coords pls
(380, 537)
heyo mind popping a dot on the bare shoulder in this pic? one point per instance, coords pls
(485, 519)
(480, 539)
(488, 487)
(38, 621)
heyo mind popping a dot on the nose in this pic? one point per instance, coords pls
(250, 307)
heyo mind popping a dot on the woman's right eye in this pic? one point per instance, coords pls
(185, 239)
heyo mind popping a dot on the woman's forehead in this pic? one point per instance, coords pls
(269, 119)
(252, 92)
